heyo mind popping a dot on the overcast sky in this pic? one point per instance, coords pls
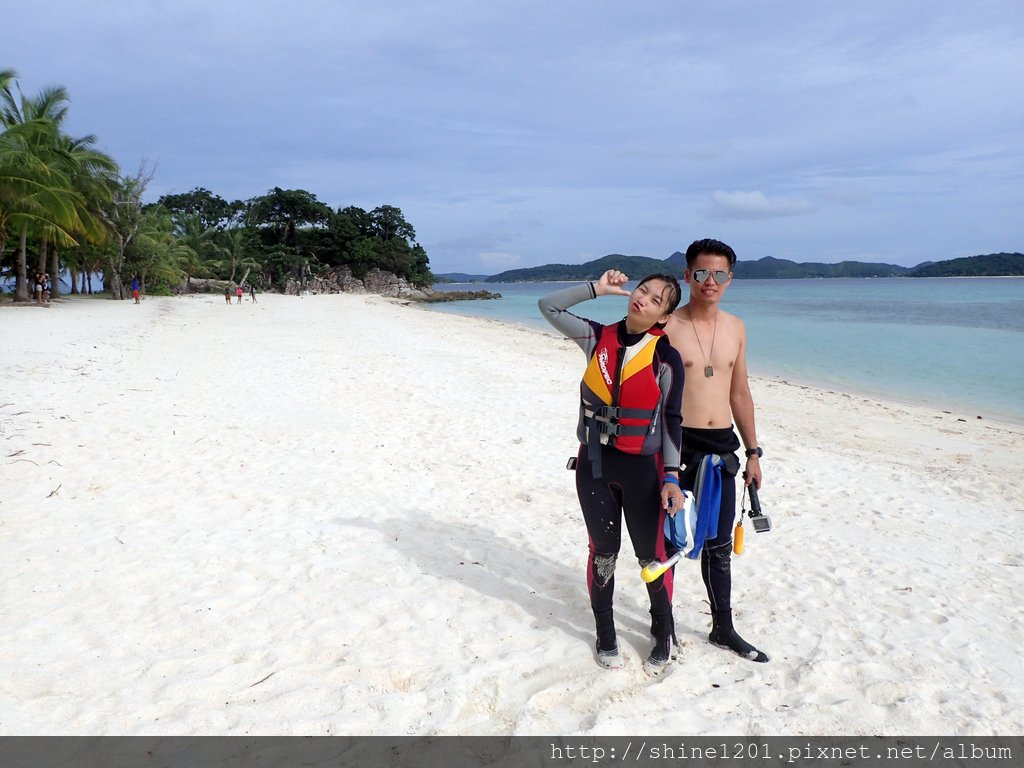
(517, 133)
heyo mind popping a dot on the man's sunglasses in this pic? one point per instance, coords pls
(720, 275)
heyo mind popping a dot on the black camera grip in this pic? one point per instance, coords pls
(755, 503)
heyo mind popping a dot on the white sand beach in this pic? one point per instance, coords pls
(343, 515)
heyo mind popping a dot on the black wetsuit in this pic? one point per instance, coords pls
(715, 557)
(630, 490)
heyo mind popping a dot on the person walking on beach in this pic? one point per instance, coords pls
(252, 292)
(712, 344)
(238, 293)
(135, 288)
(227, 293)
(629, 433)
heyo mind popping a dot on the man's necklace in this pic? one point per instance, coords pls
(709, 370)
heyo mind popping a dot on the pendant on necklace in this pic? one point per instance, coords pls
(708, 371)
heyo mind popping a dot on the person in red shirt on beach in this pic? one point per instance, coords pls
(238, 293)
(713, 344)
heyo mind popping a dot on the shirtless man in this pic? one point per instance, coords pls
(713, 345)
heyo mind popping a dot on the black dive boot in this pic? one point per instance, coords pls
(663, 629)
(724, 636)
(607, 647)
(672, 631)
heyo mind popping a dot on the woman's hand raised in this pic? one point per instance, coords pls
(611, 283)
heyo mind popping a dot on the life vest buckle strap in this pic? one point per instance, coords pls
(615, 412)
(609, 412)
(620, 430)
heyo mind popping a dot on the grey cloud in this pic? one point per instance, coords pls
(754, 205)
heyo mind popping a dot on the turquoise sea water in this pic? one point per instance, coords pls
(953, 343)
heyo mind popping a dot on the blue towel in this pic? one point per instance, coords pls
(690, 528)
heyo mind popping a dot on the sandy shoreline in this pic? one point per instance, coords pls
(340, 515)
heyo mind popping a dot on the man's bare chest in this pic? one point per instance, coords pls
(709, 354)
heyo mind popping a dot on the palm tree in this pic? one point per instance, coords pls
(155, 253)
(124, 216)
(201, 240)
(238, 246)
(32, 194)
(36, 190)
(91, 173)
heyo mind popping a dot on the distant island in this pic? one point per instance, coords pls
(767, 268)
(459, 277)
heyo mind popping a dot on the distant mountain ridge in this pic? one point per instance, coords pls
(459, 277)
(989, 265)
(634, 266)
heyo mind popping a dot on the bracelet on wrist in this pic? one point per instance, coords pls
(673, 480)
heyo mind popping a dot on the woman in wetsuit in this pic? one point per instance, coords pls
(630, 440)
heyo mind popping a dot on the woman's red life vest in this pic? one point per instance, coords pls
(620, 398)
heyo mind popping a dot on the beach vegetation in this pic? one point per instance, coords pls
(67, 209)
(281, 212)
(239, 247)
(213, 211)
(126, 225)
(988, 265)
(51, 184)
(204, 253)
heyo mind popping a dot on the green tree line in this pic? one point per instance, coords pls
(987, 265)
(68, 209)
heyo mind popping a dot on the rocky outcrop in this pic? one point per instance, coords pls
(340, 280)
(458, 295)
(336, 280)
(204, 285)
(387, 284)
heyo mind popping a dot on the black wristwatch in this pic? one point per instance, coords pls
(754, 452)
